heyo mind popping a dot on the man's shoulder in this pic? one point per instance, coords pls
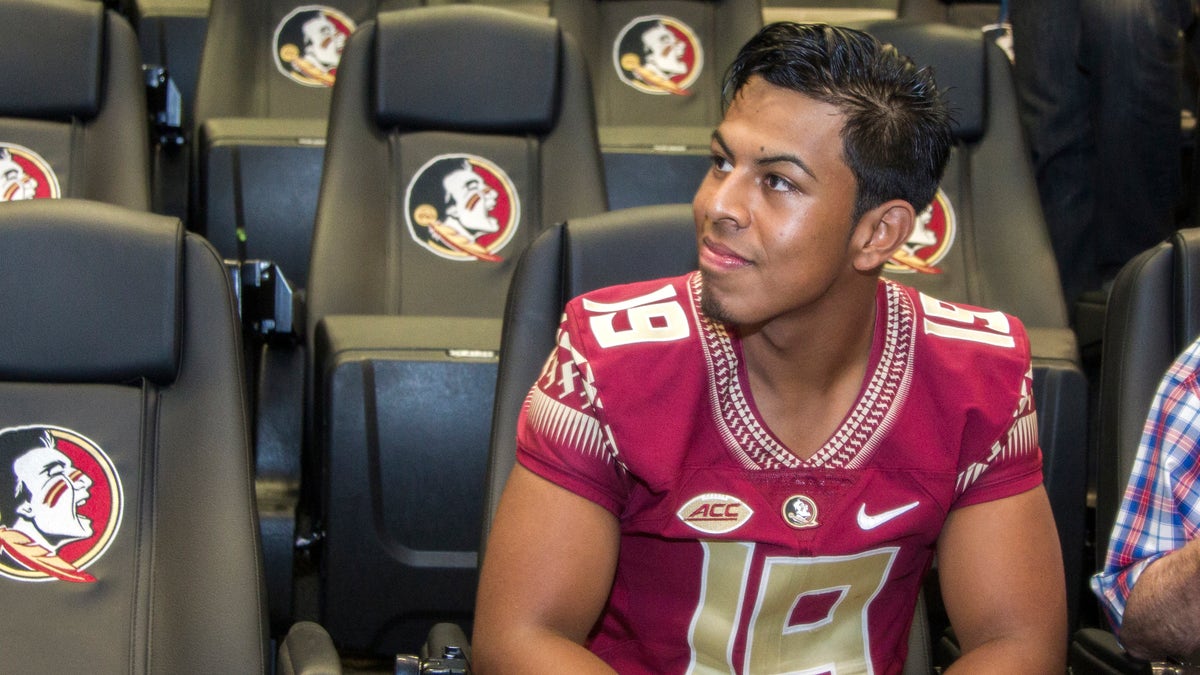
(956, 336)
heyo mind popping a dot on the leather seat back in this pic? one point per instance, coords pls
(123, 445)
(73, 122)
(456, 132)
(656, 112)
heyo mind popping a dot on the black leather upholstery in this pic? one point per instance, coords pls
(420, 88)
(365, 260)
(158, 432)
(402, 328)
(260, 131)
(1153, 314)
(993, 250)
(73, 106)
(656, 145)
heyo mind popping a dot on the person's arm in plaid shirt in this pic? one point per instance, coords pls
(1150, 587)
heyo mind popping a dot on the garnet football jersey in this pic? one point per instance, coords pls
(735, 555)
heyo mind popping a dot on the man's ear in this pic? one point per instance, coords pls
(881, 231)
(25, 510)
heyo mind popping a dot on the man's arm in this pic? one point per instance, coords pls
(1001, 572)
(1162, 614)
(546, 576)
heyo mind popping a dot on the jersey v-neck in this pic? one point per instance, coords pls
(851, 445)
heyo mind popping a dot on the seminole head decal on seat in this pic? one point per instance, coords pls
(658, 55)
(60, 504)
(932, 236)
(309, 42)
(462, 207)
(25, 175)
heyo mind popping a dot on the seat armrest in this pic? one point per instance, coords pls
(307, 649)
(1097, 651)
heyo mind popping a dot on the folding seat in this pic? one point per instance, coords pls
(984, 242)
(261, 108)
(455, 133)
(128, 540)
(656, 68)
(262, 102)
(1153, 315)
(73, 109)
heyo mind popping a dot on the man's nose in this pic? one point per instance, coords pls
(726, 201)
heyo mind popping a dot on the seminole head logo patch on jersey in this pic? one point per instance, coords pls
(25, 175)
(462, 207)
(658, 55)
(309, 42)
(800, 512)
(932, 236)
(60, 504)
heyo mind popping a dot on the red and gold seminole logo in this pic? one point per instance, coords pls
(462, 207)
(24, 174)
(658, 55)
(933, 235)
(60, 504)
(714, 513)
(308, 44)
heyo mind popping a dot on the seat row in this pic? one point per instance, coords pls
(457, 136)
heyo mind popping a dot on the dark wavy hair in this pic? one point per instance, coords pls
(897, 136)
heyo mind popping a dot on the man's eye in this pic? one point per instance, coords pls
(779, 183)
(720, 163)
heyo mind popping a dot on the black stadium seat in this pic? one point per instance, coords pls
(73, 107)
(1153, 315)
(984, 242)
(262, 103)
(120, 381)
(455, 133)
(656, 113)
(260, 114)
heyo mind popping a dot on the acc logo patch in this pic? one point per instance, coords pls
(800, 512)
(462, 207)
(25, 175)
(714, 513)
(60, 504)
(658, 55)
(931, 239)
(308, 44)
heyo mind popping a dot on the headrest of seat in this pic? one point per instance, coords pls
(54, 58)
(439, 68)
(89, 292)
(958, 57)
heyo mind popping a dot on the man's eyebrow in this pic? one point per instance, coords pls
(770, 159)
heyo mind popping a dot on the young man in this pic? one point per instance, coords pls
(1148, 585)
(749, 469)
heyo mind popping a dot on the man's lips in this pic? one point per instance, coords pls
(719, 256)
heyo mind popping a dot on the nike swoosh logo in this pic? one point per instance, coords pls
(870, 522)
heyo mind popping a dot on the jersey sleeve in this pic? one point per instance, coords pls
(561, 434)
(1012, 463)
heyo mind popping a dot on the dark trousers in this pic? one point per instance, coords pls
(1100, 89)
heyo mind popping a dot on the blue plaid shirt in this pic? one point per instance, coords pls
(1160, 511)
